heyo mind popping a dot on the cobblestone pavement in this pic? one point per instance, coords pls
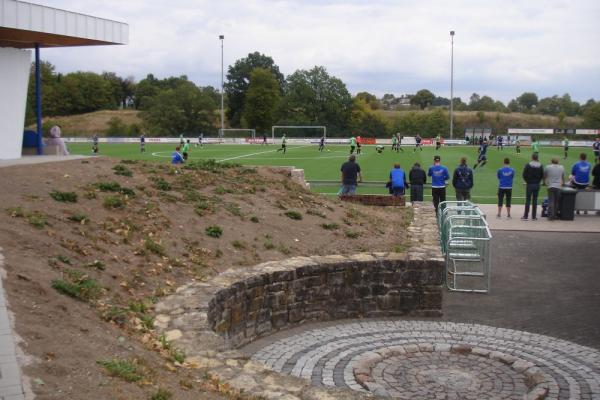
(424, 359)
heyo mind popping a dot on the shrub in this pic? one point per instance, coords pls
(125, 369)
(65, 197)
(120, 169)
(161, 184)
(293, 215)
(37, 219)
(214, 231)
(108, 186)
(114, 202)
(330, 227)
(82, 288)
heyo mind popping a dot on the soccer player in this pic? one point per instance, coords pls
(438, 142)
(535, 147)
(264, 139)
(400, 142)
(482, 157)
(500, 142)
(358, 145)
(565, 144)
(418, 143)
(596, 148)
(379, 148)
(283, 144)
(142, 143)
(439, 175)
(352, 144)
(505, 175)
(177, 157)
(181, 140)
(200, 140)
(185, 150)
(322, 143)
(518, 146)
(95, 143)
(394, 142)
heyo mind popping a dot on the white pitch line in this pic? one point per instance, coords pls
(255, 154)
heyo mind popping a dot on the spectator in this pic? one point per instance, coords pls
(417, 178)
(56, 140)
(398, 181)
(462, 180)
(350, 172)
(596, 148)
(554, 178)
(439, 175)
(177, 157)
(533, 173)
(581, 172)
(505, 175)
(595, 174)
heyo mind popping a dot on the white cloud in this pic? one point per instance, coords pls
(502, 48)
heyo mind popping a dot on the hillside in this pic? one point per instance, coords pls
(90, 246)
(90, 123)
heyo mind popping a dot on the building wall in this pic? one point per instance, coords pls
(14, 78)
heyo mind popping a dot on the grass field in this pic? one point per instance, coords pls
(325, 166)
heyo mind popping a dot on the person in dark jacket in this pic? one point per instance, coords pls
(533, 173)
(417, 178)
(462, 180)
(596, 175)
(398, 181)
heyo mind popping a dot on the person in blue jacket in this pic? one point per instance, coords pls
(462, 180)
(506, 175)
(177, 157)
(439, 175)
(398, 183)
(581, 172)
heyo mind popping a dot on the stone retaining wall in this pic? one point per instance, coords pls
(375, 200)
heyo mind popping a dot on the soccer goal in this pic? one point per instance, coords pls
(299, 130)
(234, 133)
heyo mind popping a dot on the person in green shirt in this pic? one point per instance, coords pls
(352, 144)
(518, 146)
(565, 144)
(394, 143)
(185, 149)
(535, 147)
(283, 144)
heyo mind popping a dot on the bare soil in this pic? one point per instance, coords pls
(117, 253)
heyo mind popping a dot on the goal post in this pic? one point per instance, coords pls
(318, 128)
(230, 132)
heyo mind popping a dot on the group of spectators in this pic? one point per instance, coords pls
(534, 175)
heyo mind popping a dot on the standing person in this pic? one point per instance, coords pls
(565, 144)
(398, 181)
(500, 141)
(554, 178)
(596, 175)
(533, 173)
(177, 157)
(418, 143)
(596, 148)
(438, 142)
(56, 140)
(482, 157)
(186, 149)
(200, 140)
(395, 143)
(535, 147)
(506, 175)
(518, 146)
(95, 143)
(462, 180)
(581, 172)
(439, 175)
(352, 144)
(417, 178)
(264, 139)
(322, 143)
(350, 176)
(358, 144)
(181, 140)
(142, 143)
(283, 144)
(400, 137)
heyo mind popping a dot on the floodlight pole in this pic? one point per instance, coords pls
(222, 37)
(451, 84)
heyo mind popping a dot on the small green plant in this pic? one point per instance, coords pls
(147, 321)
(284, 250)
(222, 190)
(15, 212)
(63, 259)
(129, 162)
(209, 165)
(161, 183)
(162, 394)
(97, 264)
(138, 306)
(127, 192)
(318, 213)
(400, 248)
(269, 245)
(122, 170)
(108, 186)
(37, 219)
(293, 215)
(81, 218)
(330, 227)
(79, 287)
(65, 197)
(90, 194)
(352, 234)
(124, 369)
(178, 355)
(203, 207)
(114, 202)
(154, 247)
(254, 219)
(214, 231)
(238, 244)
(166, 345)
(234, 209)
(115, 314)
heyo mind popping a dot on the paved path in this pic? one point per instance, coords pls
(26, 160)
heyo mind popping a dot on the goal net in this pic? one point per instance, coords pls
(237, 133)
(311, 131)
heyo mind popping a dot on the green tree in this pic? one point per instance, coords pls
(314, 97)
(561, 119)
(238, 79)
(527, 101)
(370, 99)
(262, 99)
(591, 117)
(549, 105)
(364, 121)
(437, 123)
(423, 98)
(514, 106)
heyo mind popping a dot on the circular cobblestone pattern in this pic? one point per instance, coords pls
(430, 360)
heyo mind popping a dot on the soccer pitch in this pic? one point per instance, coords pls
(320, 167)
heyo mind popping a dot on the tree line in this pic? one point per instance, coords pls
(258, 96)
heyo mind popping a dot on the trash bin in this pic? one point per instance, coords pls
(567, 203)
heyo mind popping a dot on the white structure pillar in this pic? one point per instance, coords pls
(14, 79)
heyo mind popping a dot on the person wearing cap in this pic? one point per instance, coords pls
(350, 172)
(439, 175)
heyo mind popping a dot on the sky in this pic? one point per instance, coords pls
(502, 48)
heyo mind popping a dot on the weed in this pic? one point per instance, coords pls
(283, 249)
(65, 197)
(147, 321)
(97, 264)
(122, 170)
(209, 165)
(162, 394)
(254, 219)
(178, 355)
(316, 212)
(125, 369)
(222, 190)
(37, 219)
(203, 206)
(107, 186)
(269, 245)
(127, 192)
(81, 218)
(166, 345)
(234, 209)
(400, 248)
(192, 195)
(129, 161)
(353, 213)
(330, 227)
(138, 306)
(64, 259)
(90, 194)
(15, 212)
(115, 314)
(114, 202)
(154, 247)
(81, 287)
(214, 231)
(161, 184)
(218, 253)
(352, 234)
(238, 244)
(293, 215)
